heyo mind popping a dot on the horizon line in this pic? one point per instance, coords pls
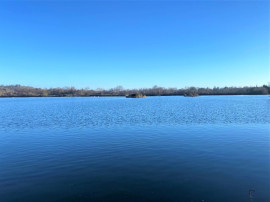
(123, 88)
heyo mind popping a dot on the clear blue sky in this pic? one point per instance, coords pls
(134, 43)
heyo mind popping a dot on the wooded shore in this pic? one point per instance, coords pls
(28, 91)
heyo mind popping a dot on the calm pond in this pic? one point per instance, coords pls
(211, 148)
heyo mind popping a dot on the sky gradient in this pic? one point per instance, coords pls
(134, 43)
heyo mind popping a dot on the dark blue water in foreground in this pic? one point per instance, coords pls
(211, 148)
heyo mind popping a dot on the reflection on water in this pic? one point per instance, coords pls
(212, 148)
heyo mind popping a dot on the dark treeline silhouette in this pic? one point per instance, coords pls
(27, 91)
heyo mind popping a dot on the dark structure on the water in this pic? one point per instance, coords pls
(135, 95)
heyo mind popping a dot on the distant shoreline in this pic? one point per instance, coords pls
(7, 91)
(121, 96)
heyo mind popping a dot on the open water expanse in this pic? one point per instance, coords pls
(211, 148)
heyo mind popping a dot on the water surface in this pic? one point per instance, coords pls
(211, 148)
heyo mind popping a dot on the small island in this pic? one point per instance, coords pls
(135, 95)
(191, 95)
(191, 92)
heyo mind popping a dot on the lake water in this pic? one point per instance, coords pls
(211, 148)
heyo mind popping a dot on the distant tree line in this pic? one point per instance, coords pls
(27, 91)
